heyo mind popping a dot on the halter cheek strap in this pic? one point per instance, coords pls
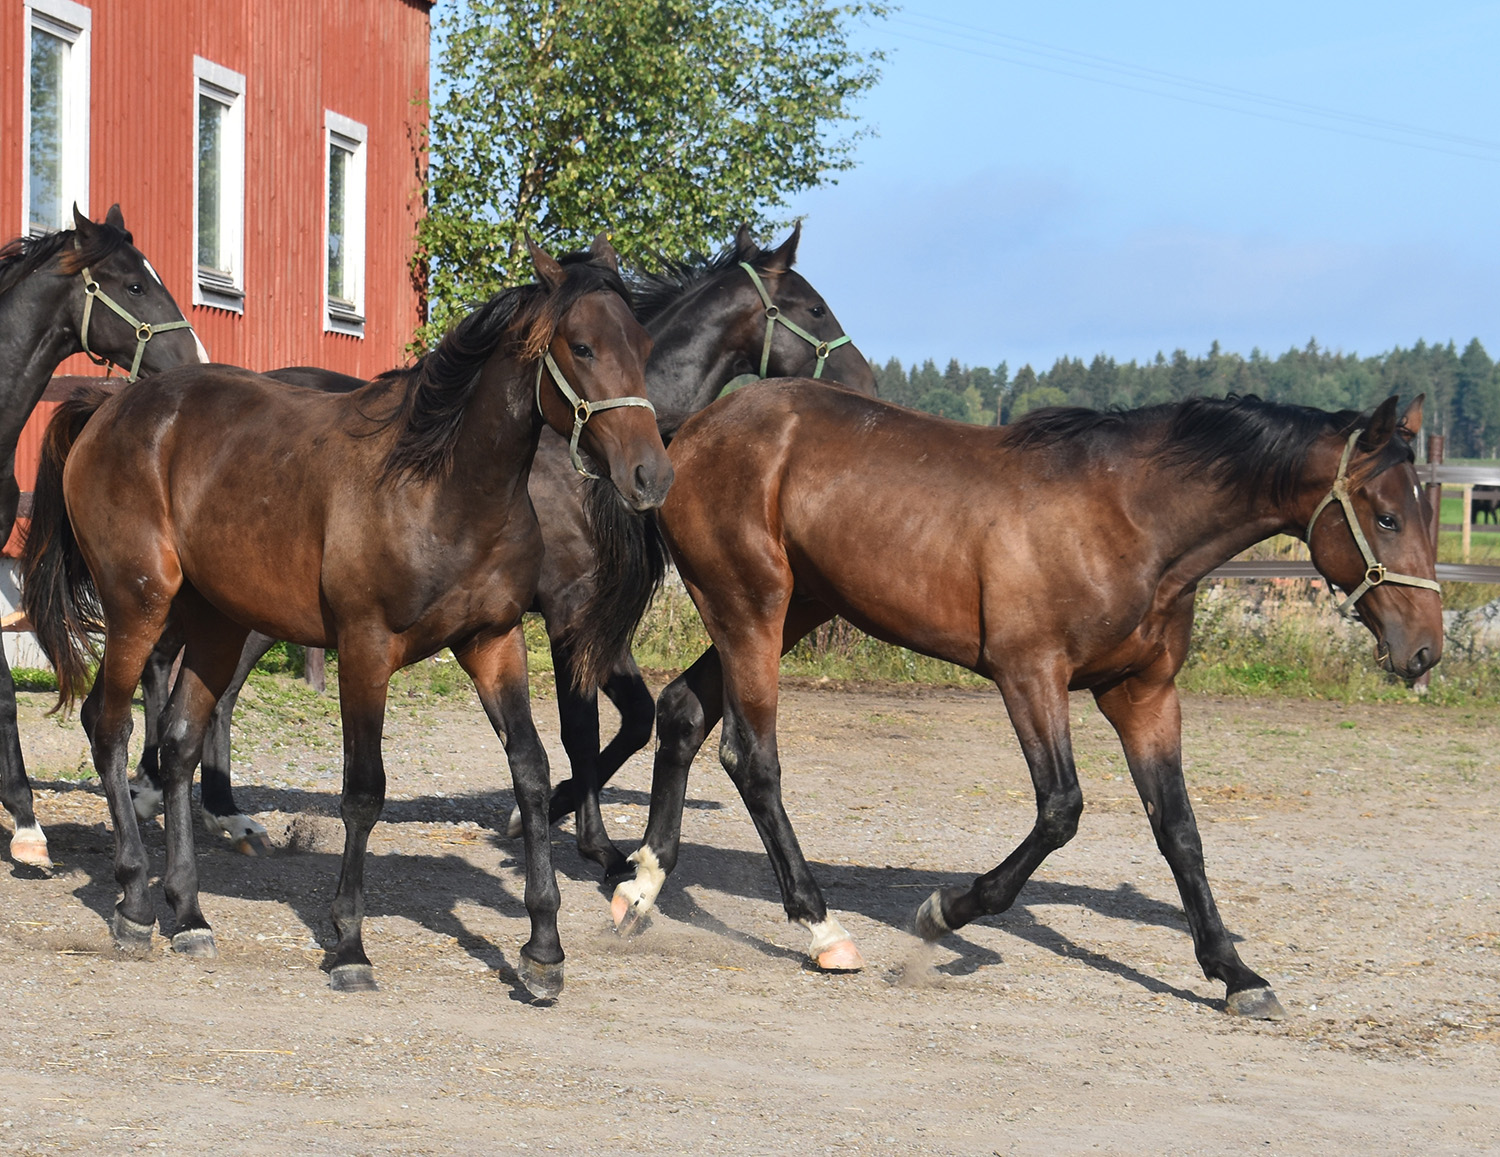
(144, 331)
(583, 409)
(774, 317)
(1375, 572)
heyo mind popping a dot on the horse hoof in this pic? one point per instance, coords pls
(930, 923)
(253, 844)
(543, 981)
(130, 938)
(30, 849)
(353, 978)
(1255, 1003)
(513, 825)
(840, 957)
(196, 942)
(630, 918)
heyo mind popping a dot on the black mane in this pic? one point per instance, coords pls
(23, 256)
(437, 388)
(655, 292)
(1242, 444)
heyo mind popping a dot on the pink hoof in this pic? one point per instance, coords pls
(619, 908)
(841, 957)
(32, 853)
(254, 844)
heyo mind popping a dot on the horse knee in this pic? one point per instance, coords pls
(680, 718)
(1058, 815)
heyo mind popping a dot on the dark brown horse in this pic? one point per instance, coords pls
(80, 290)
(710, 323)
(1059, 554)
(388, 522)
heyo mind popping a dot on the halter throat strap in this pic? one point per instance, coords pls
(774, 317)
(583, 409)
(144, 331)
(1375, 572)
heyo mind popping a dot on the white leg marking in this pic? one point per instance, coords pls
(237, 827)
(146, 797)
(824, 936)
(513, 825)
(640, 893)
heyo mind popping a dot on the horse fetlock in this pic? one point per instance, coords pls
(931, 923)
(146, 798)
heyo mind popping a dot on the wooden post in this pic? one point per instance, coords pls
(314, 669)
(1435, 497)
(1468, 530)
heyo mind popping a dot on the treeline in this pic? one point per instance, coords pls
(1463, 389)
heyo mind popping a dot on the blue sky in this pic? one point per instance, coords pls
(1026, 199)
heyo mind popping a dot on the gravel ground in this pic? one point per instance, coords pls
(1353, 848)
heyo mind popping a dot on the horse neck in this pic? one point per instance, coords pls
(36, 333)
(498, 435)
(691, 356)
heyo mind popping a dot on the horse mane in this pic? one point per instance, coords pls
(1242, 443)
(436, 389)
(23, 256)
(655, 292)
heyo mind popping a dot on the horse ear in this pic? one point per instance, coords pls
(80, 222)
(1411, 421)
(785, 254)
(745, 248)
(546, 266)
(1382, 427)
(115, 217)
(604, 252)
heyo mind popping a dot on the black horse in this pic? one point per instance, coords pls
(711, 322)
(80, 290)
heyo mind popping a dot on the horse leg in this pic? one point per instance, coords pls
(687, 711)
(364, 681)
(220, 812)
(156, 687)
(1145, 711)
(213, 648)
(578, 715)
(28, 845)
(497, 665)
(1038, 708)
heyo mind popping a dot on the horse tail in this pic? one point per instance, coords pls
(630, 562)
(57, 591)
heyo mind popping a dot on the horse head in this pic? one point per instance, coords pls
(1370, 535)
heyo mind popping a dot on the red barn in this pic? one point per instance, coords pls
(266, 155)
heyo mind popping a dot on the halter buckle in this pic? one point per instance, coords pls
(143, 331)
(582, 411)
(773, 312)
(1375, 574)
(822, 350)
(90, 287)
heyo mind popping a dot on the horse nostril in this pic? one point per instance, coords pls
(1421, 661)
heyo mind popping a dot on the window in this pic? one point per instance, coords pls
(56, 114)
(219, 187)
(345, 280)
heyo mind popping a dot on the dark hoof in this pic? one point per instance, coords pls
(353, 978)
(930, 923)
(614, 864)
(197, 942)
(543, 981)
(131, 939)
(1255, 1003)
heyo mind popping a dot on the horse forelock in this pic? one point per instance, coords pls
(23, 256)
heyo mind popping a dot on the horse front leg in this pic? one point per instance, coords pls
(1038, 707)
(364, 681)
(1146, 713)
(28, 845)
(156, 689)
(220, 811)
(497, 665)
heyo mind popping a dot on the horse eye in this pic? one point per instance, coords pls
(1387, 522)
(817, 311)
(581, 351)
(135, 289)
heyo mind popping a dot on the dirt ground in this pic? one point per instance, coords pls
(1353, 849)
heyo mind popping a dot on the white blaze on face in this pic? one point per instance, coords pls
(202, 351)
(152, 270)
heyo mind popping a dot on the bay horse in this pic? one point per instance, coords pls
(389, 522)
(88, 290)
(710, 321)
(1061, 553)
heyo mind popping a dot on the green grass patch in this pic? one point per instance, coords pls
(33, 679)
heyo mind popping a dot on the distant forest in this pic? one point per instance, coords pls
(1463, 389)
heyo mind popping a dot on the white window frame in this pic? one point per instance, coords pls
(228, 88)
(73, 23)
(352, 137)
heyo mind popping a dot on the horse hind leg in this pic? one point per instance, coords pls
(221, 814)
(28, 844)
(156, 689)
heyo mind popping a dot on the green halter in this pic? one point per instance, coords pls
(1375, 572)
(583, 409)
(143, 330)
(773, 315)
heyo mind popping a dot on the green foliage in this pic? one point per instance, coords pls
(33, 679)
(666, 122)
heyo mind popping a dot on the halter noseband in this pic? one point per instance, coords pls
(583, 409)
(773, 316)
(1375, 572)
(144, 331)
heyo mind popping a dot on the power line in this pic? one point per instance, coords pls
(1155, 82)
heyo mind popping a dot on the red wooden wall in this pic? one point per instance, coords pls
(364, 59)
